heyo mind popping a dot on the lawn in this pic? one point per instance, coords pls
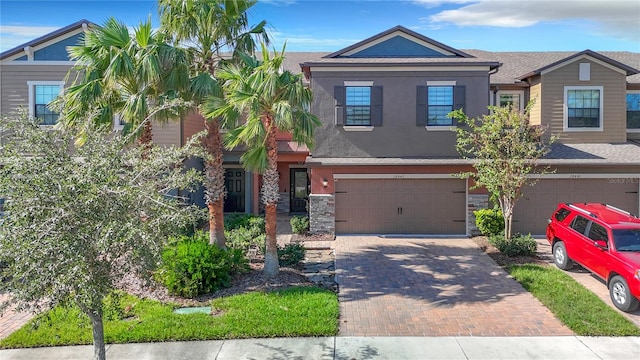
(296, 311)
(578, 308)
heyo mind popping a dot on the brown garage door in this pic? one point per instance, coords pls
(539, 202)
(400, 206)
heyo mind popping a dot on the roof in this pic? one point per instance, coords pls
(47, 37)
(606, 154)
(396, 29)
(516, 64)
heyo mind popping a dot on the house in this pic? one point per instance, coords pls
(385, 154)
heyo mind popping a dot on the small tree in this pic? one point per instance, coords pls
(505, 149)
(77, 219)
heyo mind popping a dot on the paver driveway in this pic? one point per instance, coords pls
(432, 287)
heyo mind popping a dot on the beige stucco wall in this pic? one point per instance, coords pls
(614, 102)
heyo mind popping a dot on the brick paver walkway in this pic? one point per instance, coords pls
(432, 287)
(11, 320)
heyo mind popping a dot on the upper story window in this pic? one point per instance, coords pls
(435, 101)
(440, 104)
(583, 108)
(633, 111)
(358, 105)
(41, 93)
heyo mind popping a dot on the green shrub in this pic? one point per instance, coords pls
(518, 245)
(299, 224)
(192, 267)
(245, 232)
(489, 221)
(291, 254)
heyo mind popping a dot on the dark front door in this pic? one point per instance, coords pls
(299, 190)
(234, 182)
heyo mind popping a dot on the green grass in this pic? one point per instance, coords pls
(298, 311)
(577, 307)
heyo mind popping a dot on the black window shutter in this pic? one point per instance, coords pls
(340, 95)
(376, 106)
(459, 99)
(421, 106)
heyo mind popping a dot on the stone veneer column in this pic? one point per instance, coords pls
(283, 203)
(322, 213)
(475, 202)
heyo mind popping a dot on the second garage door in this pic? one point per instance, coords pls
(539, 202)
(400, 206)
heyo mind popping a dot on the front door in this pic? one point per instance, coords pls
(299, 190)
(234, 183)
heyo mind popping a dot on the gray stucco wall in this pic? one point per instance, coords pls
(398, 136)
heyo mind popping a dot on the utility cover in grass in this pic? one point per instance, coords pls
(193, 310)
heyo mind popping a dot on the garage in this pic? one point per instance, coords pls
(400, 206)
(539, 202)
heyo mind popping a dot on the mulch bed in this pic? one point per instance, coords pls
(502, 259)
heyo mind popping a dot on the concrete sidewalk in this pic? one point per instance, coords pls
(347, 348)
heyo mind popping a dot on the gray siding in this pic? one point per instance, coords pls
(398, 136)
(13, 82)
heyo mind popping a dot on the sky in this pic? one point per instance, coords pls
(330, 25)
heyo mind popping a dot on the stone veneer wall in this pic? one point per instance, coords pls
(475, 202)
(283, 203)
(322, 213)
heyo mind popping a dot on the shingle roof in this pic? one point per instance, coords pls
(561, 154)
(516, 64)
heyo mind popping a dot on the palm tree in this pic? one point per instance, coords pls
(136, 77)
(268, 100)
(207, 29)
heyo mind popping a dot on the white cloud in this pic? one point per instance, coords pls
(14, 35)
(618, 18)
(309, 43)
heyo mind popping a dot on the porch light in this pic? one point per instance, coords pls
(325, 182)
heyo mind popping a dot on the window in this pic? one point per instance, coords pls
(633, 111)
(515, 98)
(598, 232)
(440, 104)
(579, 224)
(562, 214)
(118, 122)
(583, 108)
(41, 93)
(358, 106)
(435, 101)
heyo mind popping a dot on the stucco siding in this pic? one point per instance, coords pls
(399, 135)
(614, 106)
(14, 78)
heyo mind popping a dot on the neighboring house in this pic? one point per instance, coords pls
(385, 152)
(385, 155)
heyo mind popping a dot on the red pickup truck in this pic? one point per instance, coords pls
(604, 240)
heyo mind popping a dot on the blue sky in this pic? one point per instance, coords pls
(330, 25)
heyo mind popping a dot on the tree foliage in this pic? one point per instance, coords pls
(77, 219)
(505, 149)
(268, 100)
(210, 30)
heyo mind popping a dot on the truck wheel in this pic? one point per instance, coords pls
(621, 296)
(560, 257)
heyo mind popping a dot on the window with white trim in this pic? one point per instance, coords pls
(358, 106)
(440, 104)
(118, 122)
(633, 111)
(41, 94)
(583, 108)
(515, 98)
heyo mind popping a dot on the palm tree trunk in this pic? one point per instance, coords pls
(214, 183)
(270, 194)
(146, 137)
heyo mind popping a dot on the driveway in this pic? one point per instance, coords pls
(432, 287)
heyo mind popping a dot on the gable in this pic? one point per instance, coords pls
(399, 46)
(56, 51)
